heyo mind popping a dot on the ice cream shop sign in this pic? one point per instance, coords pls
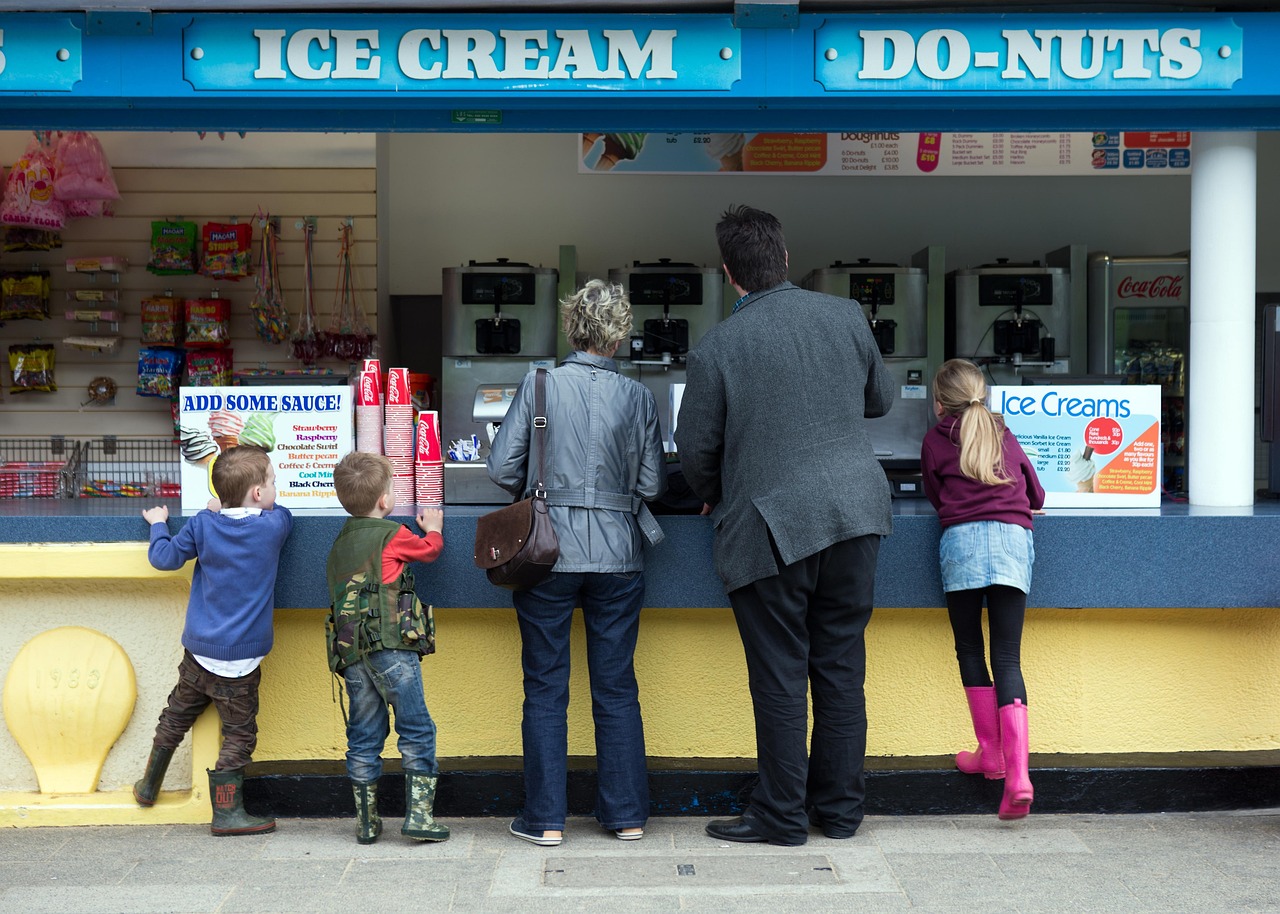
(306, 430)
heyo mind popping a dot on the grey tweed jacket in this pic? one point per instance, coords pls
(771, 430)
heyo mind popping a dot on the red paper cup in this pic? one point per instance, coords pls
(368, 389)
(398, 387)
(428, 450)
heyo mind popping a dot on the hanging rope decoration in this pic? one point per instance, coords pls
(306, 344)
(349, 337)
(270, 317)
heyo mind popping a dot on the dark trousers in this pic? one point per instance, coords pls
(802, 630)
(1006, 609)
(237, 704)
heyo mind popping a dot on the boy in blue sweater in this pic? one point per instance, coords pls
(236, 544)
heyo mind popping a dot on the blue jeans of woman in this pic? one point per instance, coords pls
(382, 679)
(611, 613)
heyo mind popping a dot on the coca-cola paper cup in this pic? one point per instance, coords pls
(428, 444)
(398, 387)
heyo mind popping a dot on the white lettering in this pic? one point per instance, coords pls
(929, 58)
(1133, 44)
(874, 45)
(519, 53)
(469, 48)
(1036, 53)
(349, 50)
(1179, 58)
(270, 44)
(657, 50)
(409, 54)
(1073, 65)
(299, 54)
(576, 52)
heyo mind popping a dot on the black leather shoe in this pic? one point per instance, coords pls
(838, 833)
(735, 829)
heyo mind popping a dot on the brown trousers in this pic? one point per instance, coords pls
(235, 699)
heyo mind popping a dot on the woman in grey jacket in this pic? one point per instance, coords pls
(604, 461)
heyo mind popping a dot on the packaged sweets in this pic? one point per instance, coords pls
(163, 320)
(19, 238)
(173, 248)
(28, 191)
(24, 295)
(31, 368)
(209, 368)
(226, 250)
(208, 322)
(159, 372)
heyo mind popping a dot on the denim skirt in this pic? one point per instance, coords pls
(986, 552)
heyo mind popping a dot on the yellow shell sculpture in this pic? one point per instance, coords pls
(67, 698)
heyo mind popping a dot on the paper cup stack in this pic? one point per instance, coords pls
(368, 400)
(428, 464)
(397, 436)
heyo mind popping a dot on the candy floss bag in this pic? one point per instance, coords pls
(82, 169)
(28, 191)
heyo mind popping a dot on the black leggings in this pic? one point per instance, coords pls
(1006, 608)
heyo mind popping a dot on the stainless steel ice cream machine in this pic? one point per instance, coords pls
(672, 305)
(895, 301)
(1012, 318)
(500, 321)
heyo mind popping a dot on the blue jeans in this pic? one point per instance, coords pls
(611, 610)
(388, 678)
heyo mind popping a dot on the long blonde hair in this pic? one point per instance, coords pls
(960, 390)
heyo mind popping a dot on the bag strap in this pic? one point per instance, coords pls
(540, 430)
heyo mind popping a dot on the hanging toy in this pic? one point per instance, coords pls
(349, 337)
(306, 344)
(270, 317)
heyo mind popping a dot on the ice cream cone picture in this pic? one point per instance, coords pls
(1083, 472)
(260, 429)
(225, 428)
(198, 448)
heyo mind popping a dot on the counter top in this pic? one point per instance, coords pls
(1174, 556)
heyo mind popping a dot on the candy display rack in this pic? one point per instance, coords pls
(130, 468)
(39, 467)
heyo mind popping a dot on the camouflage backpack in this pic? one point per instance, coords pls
(369, 616)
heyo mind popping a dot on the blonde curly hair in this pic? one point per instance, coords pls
(597, 317)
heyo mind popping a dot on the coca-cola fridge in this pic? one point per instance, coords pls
(1139, 328)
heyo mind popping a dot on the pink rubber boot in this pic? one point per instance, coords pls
(1016, 801)
(986, 760)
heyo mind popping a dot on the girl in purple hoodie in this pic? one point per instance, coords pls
(985, 490)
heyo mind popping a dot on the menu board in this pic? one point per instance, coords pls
(889, 154)
(307, 430)
(1093, 446)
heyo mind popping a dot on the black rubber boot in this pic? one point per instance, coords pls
(226, 788)
(419, 799)
(147, 789)
(368, 822)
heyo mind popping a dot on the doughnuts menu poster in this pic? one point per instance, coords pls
(307, 430)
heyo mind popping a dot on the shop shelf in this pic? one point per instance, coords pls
(39, 467)
(129, 468)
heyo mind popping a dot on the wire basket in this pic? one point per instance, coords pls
(129, 468)
(39, 467)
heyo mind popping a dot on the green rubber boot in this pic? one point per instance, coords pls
(229, 818)
(419, 798)
(368, 822)
(147, 789)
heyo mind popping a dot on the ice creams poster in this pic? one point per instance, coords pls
(306, 430)
(1093, 446)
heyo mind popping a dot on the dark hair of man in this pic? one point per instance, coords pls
(752, 247)
(236, 471)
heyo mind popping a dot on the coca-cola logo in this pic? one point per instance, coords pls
(1166, 286)
(367, 395)
(393, 393)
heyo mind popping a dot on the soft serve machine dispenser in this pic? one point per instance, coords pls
(499, 323)
(895, 301)
(1014, 319)
(672, 306)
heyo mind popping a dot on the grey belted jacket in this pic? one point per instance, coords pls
(604, 459)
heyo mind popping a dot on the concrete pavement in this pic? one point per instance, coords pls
(1206, 863)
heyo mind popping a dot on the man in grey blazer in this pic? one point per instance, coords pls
(771, 436)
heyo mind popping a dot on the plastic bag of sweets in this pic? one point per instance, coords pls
(159, 372)
(226, 250)
(208, 322)
(28, 191)
(31, 368)
(173, 248)
(163, 320)
(209, 368)
(24, 296)
(83, 171)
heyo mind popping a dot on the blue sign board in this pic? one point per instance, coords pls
(460, 54)
(1171, 52)
(39, 53)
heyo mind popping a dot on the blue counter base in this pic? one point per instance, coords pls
(1138, 783)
